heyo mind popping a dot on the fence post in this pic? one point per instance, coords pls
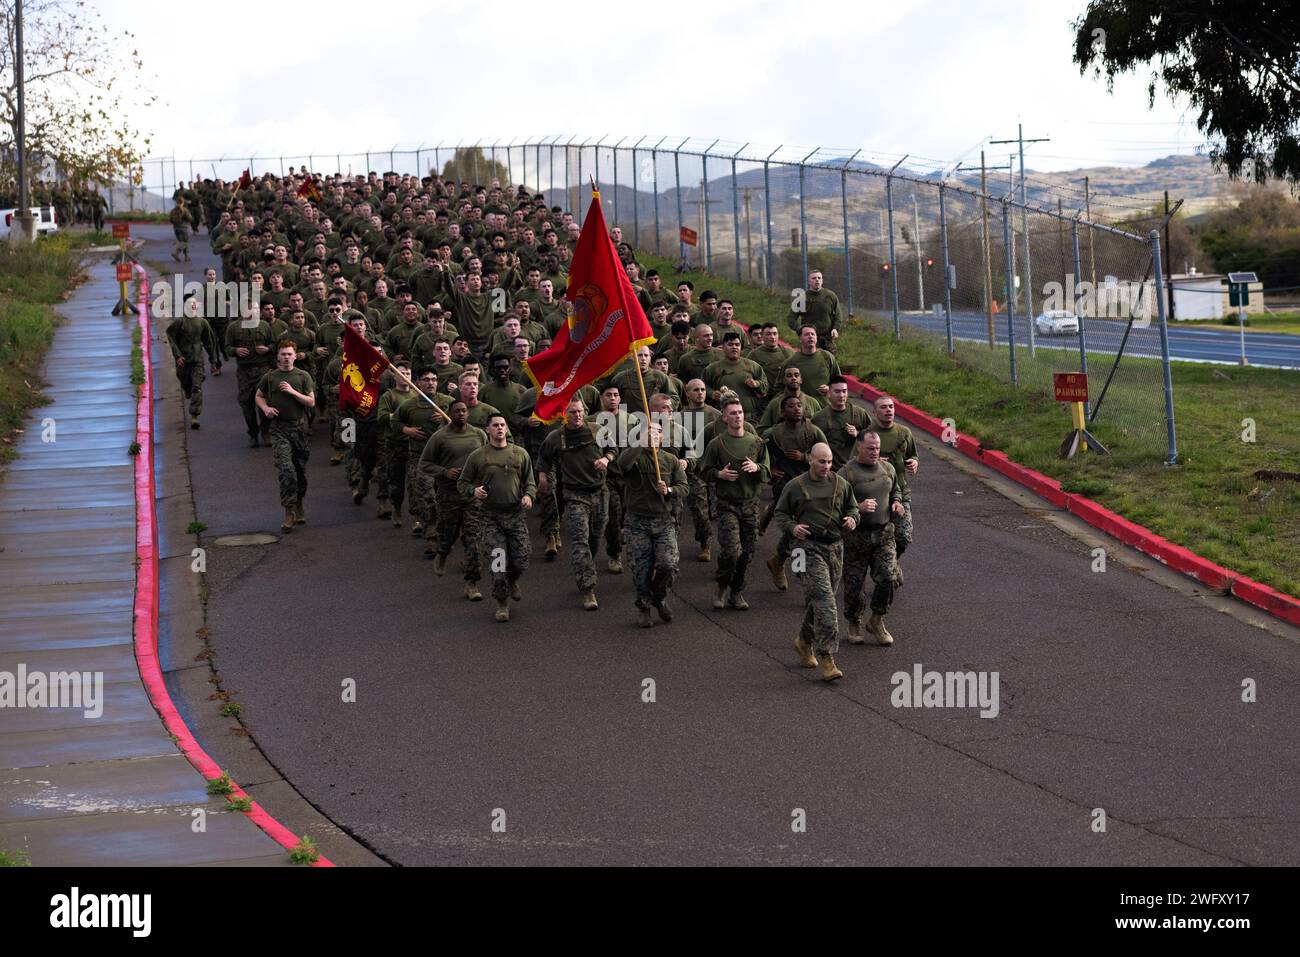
(654, 183)
(677, 172)
(1011, 304)
(1078, 313)
(947, 284)
(615, 148)
(636, 201)
(844, 219)
(803, 222)
(578, 198)
(735, 209)
(1029, 271)
(767, 213)
(893, 264)
(1158, 275)
(550, 164)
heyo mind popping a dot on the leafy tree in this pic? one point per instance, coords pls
(471, 164)
(1237, 61)
(1261, 234)
(80, 80)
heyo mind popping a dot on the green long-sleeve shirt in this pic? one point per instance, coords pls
(189, 336)
(817, 367)
(772, 414)
(449, 449)
(728, 374)
(573, 453)
(821, 505)
(728, 449)
(238, 337)
(897, 445)
(640, 497)
(837, 437)
(821, 311)
(507, 473)
(873, 481)
(783, 438)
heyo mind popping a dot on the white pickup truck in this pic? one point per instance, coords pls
(46, 220)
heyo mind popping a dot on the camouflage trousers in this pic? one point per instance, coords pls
(381, 465)
(419, 493)
(697, 503)
(504, 542)
(335, 419)
(191, 377)
(903, 528)
(219, 324)
(459, 517)
(869, 551)
(585, 514)
(652, 553)
(359, 462)
(398, 455)
(821, 617)
(614, 522)
(246, 379)
(549, 511)
(737, 536)
(291, 448)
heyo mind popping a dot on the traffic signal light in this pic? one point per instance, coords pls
(884, 267)
(929, 262)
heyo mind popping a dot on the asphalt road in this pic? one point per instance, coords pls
(1187, 343)
(1115, 693)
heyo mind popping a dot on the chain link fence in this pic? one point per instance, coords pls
(1009, 274)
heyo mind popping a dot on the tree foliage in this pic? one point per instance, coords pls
(1260, 234)
(80, 81)
(1236, 61)
(471, 164)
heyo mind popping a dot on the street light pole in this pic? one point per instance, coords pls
(24, 226)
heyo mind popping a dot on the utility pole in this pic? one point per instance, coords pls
(699, 219)
(1169, 261)
(24, 226)
(1092, 249)
(916, 244)
(988, 255)
(1024, 227)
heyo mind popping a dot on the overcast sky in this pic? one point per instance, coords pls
(930, 78)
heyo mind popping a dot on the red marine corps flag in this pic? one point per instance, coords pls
(359, 377)
(606, 327)
(310, 190)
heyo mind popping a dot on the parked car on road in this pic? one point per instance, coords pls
(1057, 322)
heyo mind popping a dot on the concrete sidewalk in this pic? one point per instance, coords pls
(78, 789)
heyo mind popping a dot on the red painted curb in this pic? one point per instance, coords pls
(145, 611)
(1174, 556)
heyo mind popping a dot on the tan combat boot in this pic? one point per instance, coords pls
(589, 602)
(806, 657)
(615, 566)
(472, 591)
(290, 516)
(385, 510)
(706, 554)
(777, 567)
(738, 601)
(397, 516)
(440, 565)
(552, 546)
(515, 593)
(643, 619)
(855, 632)
(829, 671)
(877, 627)
(503, 610)
(721, 601)
(299, 515)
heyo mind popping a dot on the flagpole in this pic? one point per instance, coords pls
(645, 404)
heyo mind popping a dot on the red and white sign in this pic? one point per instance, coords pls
(1070, 386)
